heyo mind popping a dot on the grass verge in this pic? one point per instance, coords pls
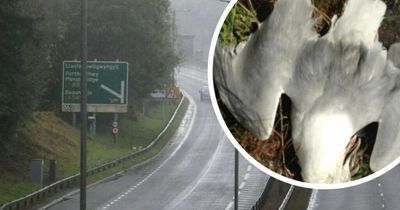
(47, 137)
(152, 152)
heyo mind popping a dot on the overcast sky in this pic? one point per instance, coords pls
(199, 18)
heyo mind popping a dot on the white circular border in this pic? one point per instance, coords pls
(247, 155)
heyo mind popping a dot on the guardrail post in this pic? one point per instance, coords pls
(52, 170)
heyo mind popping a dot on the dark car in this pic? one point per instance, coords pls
(204, 93)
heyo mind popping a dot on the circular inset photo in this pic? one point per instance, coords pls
(309, 90)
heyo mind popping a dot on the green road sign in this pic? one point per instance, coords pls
(107, 86)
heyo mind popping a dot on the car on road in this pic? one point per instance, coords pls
(204, 93)
(158, 94)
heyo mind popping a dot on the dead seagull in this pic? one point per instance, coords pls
(338, 84)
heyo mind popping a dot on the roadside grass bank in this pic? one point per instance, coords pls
(152, 152)
(48, 138)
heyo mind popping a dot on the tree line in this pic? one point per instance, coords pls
(38, 35)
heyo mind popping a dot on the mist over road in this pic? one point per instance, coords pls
(194, 171)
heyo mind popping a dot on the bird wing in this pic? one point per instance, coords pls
(251, 78)
(359, 23)
(387, 145)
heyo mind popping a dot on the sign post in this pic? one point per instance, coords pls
(83, 104)
(94, 86)
(115, 129)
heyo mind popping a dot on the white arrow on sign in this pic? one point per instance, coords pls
(120, 96)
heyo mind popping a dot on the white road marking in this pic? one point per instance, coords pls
(193, 107)
(381, 195)
(312, 204)
(229, 206)
(242, 185)
(190, 125)
(249, 168)
(205, 171)
(287, 197)
(247, 186)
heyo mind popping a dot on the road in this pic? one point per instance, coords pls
(379, 194)
(195, 171)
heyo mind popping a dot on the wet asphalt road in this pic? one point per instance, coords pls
(195, 171)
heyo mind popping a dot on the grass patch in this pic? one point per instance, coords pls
(11, 191)
(155, 150)
(46, 136)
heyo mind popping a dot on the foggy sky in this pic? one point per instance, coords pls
(199, 18)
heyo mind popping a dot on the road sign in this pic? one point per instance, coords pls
(114, 124)
(172, 92)
(115, 130)
(107, 86)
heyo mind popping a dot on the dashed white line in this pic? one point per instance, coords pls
(382, 195)
(244, 182)
(242, 185)
(312, 204)
(205, 171)
(249, 168)
(246, 176)
(229, 206)
(194, 108)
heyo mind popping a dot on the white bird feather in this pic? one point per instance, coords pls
(337, 83)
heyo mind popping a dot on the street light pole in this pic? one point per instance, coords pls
(174, 35)
(236, 179)
(83, 85)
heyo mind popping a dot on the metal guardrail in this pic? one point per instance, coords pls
(260, 203)
(69, 182)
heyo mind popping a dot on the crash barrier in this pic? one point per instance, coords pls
(260, 203)
(280, 195)
(72, 181)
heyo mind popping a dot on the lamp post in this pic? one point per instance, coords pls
(174, 37)
(83, 84)
(236, 179)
